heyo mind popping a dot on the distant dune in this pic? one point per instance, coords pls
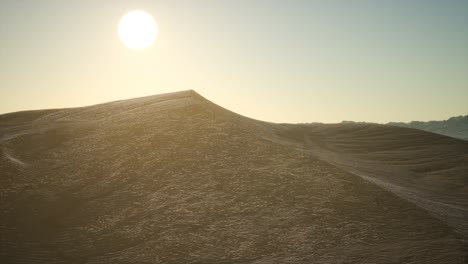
(456, 127)
(174, 178)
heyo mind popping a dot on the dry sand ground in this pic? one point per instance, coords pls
(176, 179)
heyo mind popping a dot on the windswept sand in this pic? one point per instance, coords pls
(175, 178)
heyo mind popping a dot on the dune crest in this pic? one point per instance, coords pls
(174, 178)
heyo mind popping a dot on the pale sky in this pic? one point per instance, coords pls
(280, 61)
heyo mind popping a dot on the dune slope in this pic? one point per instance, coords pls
(175, 178)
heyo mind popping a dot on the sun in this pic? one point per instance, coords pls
(137, 30)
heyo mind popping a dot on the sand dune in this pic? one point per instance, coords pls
(424, 168)
(175, 178)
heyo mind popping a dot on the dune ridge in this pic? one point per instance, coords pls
(174, 178)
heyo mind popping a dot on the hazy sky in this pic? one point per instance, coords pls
(282, 61)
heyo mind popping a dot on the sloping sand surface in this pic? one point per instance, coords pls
(175, 178)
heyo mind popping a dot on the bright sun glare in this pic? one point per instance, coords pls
(137, 30)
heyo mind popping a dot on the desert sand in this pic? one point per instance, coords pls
(175, 178)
